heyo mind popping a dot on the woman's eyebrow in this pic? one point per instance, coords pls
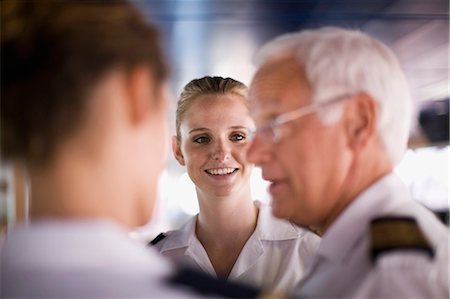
(198, 129)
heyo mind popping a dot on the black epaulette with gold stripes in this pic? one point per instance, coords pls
(208, 286)
(158, 238)
(397, 233)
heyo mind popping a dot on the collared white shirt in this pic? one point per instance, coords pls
(274, 257)
(343, 267)
(81, 259)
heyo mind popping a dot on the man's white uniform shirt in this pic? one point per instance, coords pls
(274, 257)
(343, 267)
(81, 259)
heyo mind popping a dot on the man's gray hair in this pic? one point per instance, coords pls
(339, 61)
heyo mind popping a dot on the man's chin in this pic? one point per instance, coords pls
(279, 211)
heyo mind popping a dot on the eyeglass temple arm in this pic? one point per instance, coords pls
(289, 116)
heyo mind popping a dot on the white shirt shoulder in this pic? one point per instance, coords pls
(82, 259)
(420, 271)
(351, 264)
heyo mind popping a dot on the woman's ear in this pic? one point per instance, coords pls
(361, 120)
(176, 149)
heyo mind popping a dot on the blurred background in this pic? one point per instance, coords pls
(219, 37)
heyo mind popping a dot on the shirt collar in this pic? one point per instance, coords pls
(181, 238)
(270, 228)
(352, 224)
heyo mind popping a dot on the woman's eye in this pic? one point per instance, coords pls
(201, 139)
(237, 137)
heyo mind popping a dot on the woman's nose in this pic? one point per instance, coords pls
(221, 152)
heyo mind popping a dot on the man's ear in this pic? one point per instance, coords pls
(361, 120)
(176, 149)
(141, 94)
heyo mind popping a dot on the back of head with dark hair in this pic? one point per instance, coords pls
(52, 55)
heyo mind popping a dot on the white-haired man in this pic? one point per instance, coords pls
(332, 110)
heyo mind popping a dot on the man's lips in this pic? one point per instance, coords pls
(275, 185)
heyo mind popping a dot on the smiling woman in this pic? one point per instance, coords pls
(232, 236)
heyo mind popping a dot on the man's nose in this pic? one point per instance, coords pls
(258, 151)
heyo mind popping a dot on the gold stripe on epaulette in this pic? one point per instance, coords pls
(397, 233)
(272, 295)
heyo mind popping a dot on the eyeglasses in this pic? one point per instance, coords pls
(272, 130)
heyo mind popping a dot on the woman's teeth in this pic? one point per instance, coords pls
(220, 171)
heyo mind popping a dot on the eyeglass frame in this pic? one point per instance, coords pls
(272, 128)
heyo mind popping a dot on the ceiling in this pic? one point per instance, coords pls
(219, 37)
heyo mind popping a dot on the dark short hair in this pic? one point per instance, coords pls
(53, 53)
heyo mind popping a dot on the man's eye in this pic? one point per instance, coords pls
(201, 139)
(237, 137)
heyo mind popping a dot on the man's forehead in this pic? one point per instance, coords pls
(281, 65)
(265, 106)
(273, 81)
(275, 75)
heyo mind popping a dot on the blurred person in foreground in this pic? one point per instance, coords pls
(332, 112)
(232, 237)
(83, 106)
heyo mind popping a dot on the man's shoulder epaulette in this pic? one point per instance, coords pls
(208, 286)
(397, 233)
(158, 238)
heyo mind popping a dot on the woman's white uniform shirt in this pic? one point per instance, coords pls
(274, 257)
